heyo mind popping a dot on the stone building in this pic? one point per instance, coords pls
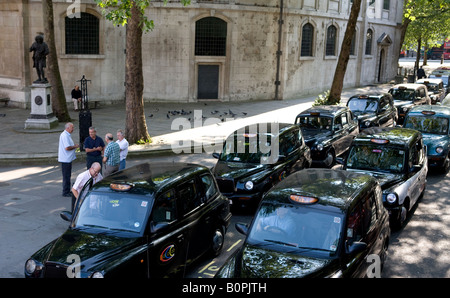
(228, 50)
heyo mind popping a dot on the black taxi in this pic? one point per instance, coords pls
(373, 110)
(256, 157)
(150, 220)
(328, 131)
(397, 158)
(407, 96)
(315, 223)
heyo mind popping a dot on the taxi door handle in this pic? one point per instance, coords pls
(180, 238)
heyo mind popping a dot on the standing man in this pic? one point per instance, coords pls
(66, 154)
(123, 144)
(93, 146)
(111, 158)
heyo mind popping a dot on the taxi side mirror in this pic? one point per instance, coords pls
(355, 248)
(66, 215)
(216, 155)
(242, 228)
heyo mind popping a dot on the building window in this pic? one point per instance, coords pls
(210, 37)
(82, 35)
(307, 40)
(353, 45)
(371, 2)
(386, 4)
(330, 49)
(369, 37)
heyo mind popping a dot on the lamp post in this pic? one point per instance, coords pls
(85, 117)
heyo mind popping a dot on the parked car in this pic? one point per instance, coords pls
(373, 110)
(328, 131)
(408, 95)
(446, 101)
(315, 223)
(397, 158)
(445, 79)
(433, 122)
(150, 220)
(435, 88)
(258, 156)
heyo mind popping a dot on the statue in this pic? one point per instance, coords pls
(40, 52)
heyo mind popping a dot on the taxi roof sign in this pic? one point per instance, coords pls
(379, 141)
(121, 186)
(428, 112)
(303, 199)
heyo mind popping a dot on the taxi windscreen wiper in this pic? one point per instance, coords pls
(281, 242)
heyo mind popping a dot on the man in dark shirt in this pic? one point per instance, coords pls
(94, 146)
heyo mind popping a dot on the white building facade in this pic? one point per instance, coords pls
(227, 50)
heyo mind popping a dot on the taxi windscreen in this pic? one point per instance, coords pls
(113, 212)
(376, 158)
(314, 122)
(248, 148)
(426, 124)
(298, 229)
(402, 94)
(363, 105)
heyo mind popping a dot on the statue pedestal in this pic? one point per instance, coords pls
(41, 116)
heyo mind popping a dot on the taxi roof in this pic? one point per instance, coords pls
(148, 178)
(333, 188)
(408, 86)
(369, 95)
(325, 110)
(396, 135)
(281, 127)
(438, 110)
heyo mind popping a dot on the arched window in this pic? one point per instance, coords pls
(330, 49)
(82, 34)
(210, 37)
(307, 40)
(369, 37)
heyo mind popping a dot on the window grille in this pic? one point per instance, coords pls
(210, 37)
(307, 40)
(331, 41)
(82, 34)
(369, 36)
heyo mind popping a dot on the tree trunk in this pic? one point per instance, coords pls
(136, 126)
(416, 64)
(341, 67)
(58, 98)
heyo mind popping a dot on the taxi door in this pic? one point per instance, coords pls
(418, 171)
(167, 247)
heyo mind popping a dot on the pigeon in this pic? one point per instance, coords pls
(151, 115)
(215, 112)
(245, 113)
(168, 117)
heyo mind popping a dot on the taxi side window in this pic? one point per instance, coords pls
(189, 197)
(210, 187)
(288, 143)
(165, 208)
(361, 219)
(338, 123)
(416, 154)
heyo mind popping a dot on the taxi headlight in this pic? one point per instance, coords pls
(30, 266)
(391, 198)
(320, 147)
(439, 150)
(248, 185)
(405, 109)
(97, 274)
(367, 123)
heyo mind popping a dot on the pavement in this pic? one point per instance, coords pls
(204, 125)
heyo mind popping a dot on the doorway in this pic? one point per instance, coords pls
(208, 81)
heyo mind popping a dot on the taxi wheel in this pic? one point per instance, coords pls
(330, 159)
(217, 241)
(446, 166)
(401, 217)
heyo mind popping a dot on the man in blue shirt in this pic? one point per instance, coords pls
(111, 158)
(66, 154)
(94, 146)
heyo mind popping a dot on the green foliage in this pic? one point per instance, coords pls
(143, 141)
(323, 99)
(119, 11)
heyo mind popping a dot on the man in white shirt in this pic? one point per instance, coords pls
(66, 154)
(93, 172)
(123, 144)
